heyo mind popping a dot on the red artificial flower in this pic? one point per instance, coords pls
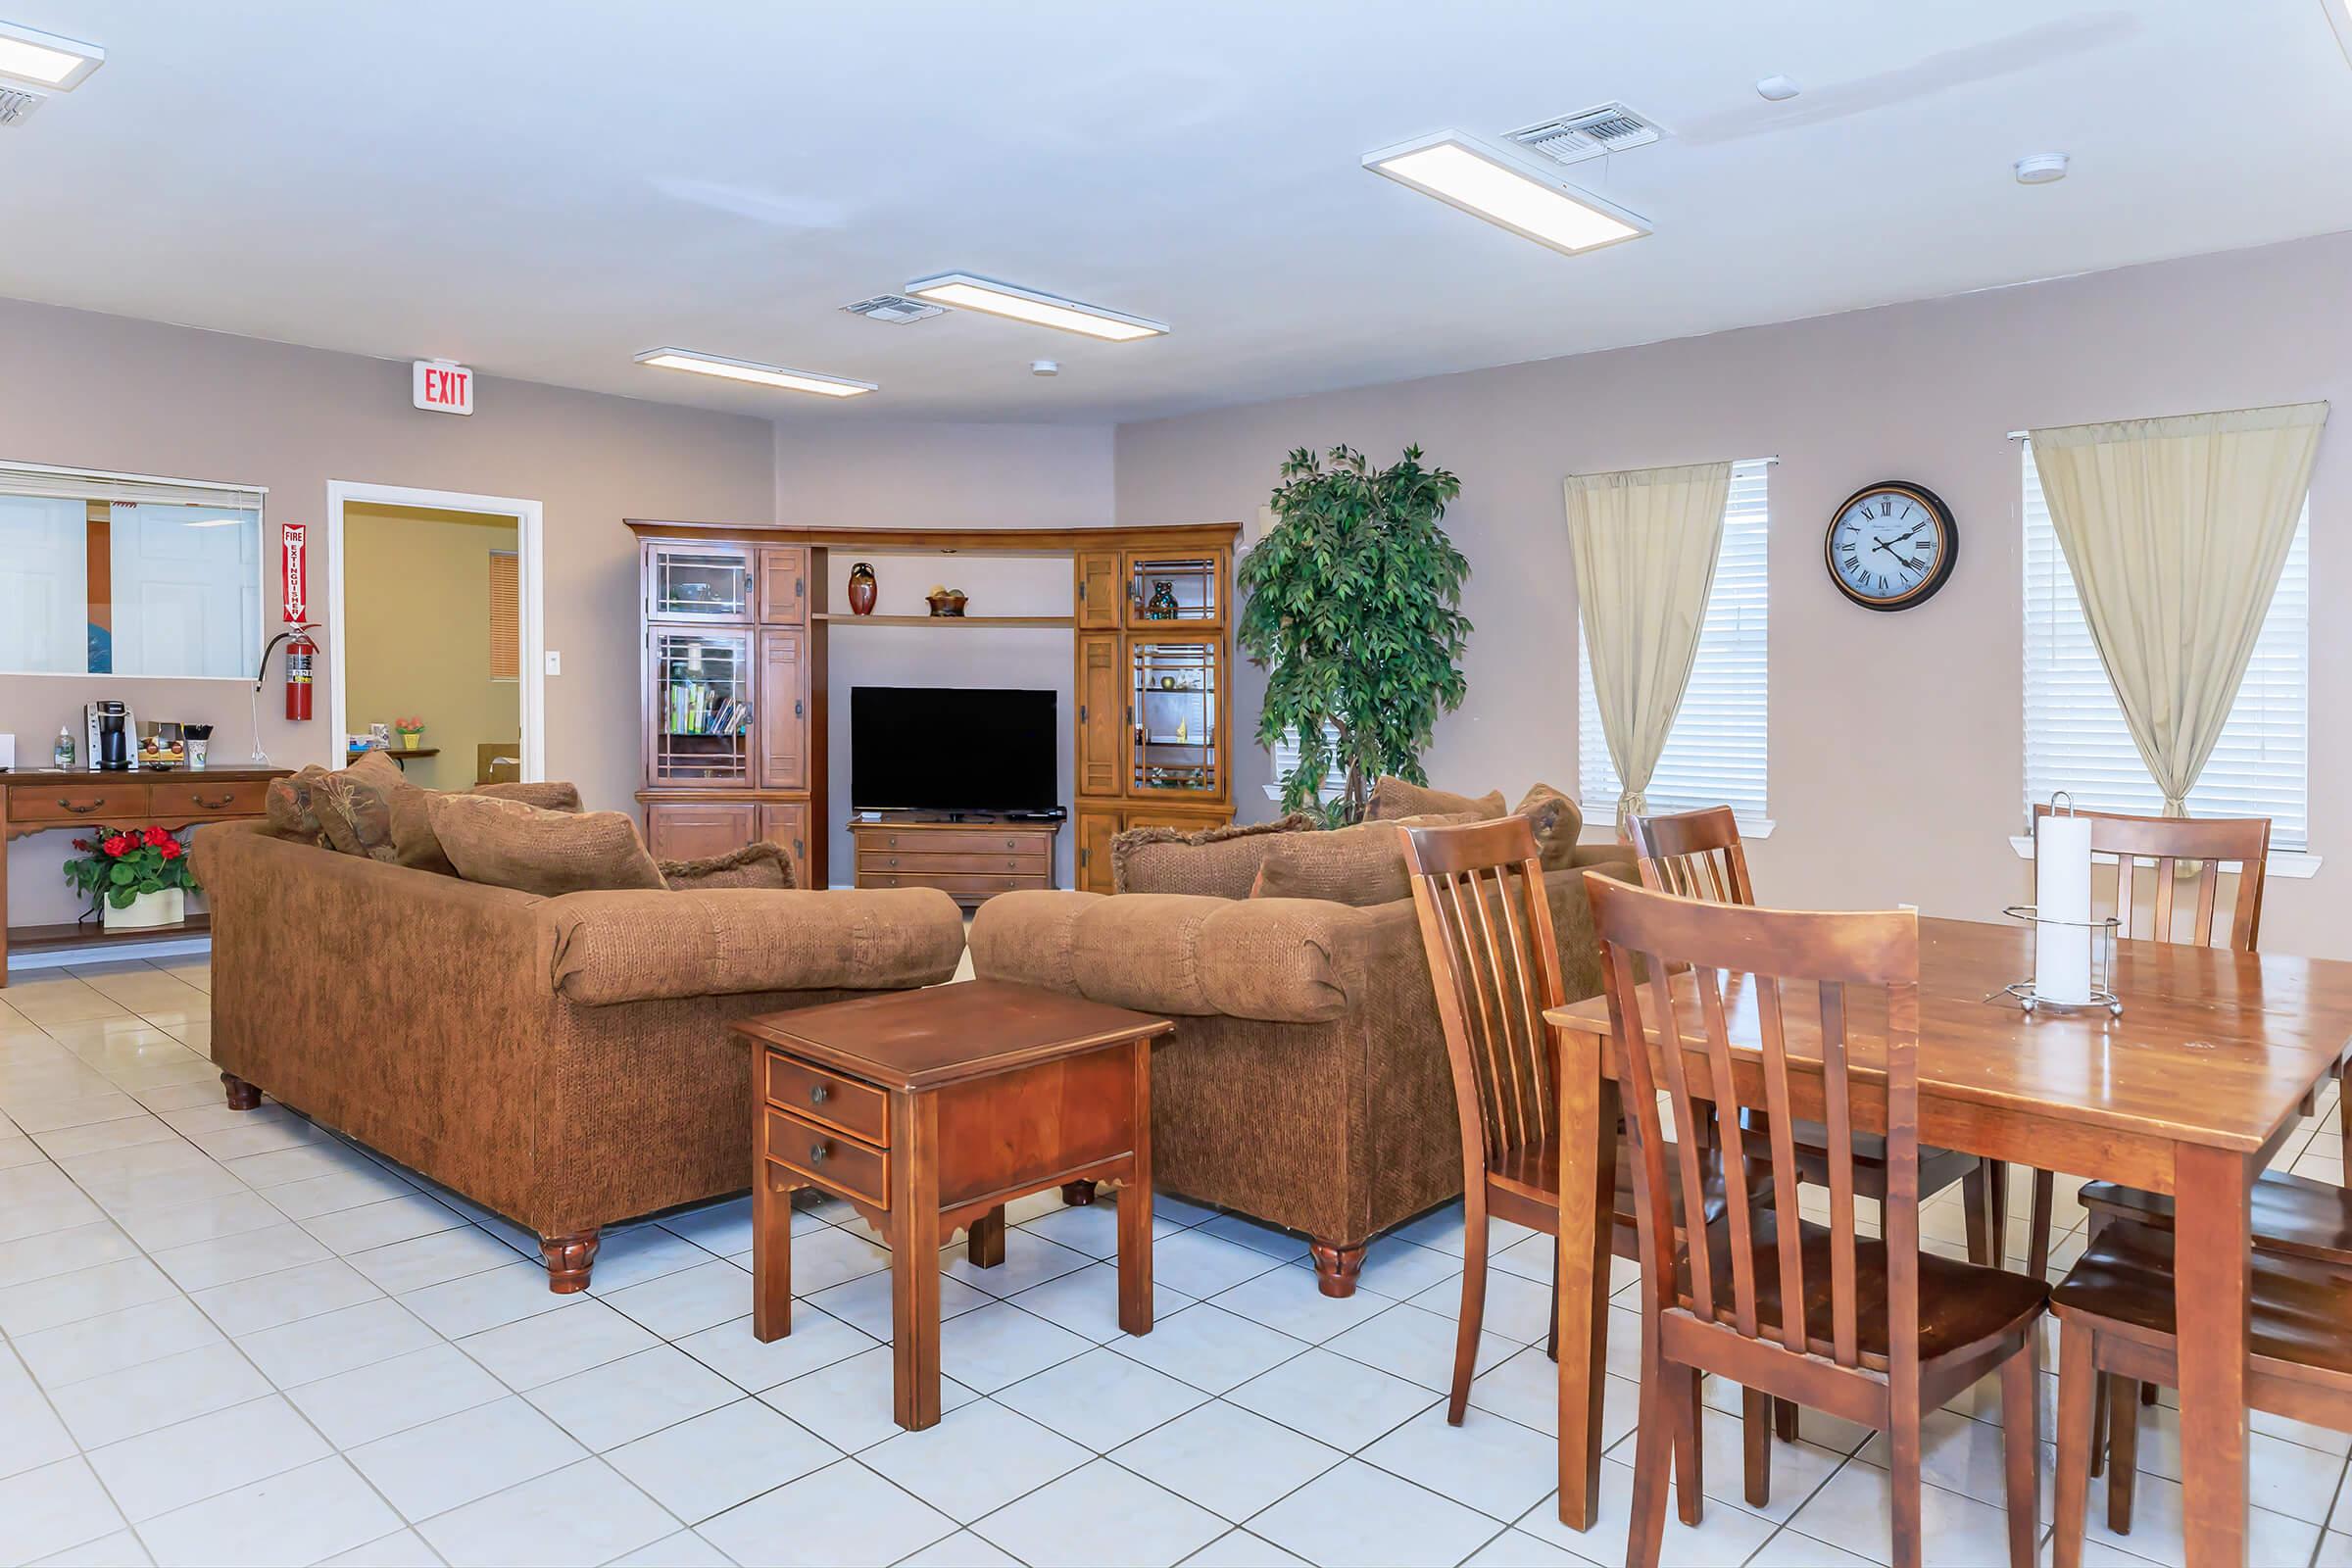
(172, 850)
(157, 838)
(82, 845)
(118, 846)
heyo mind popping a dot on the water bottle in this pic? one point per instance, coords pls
(65, 749)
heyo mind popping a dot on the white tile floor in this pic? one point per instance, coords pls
(232, 1337)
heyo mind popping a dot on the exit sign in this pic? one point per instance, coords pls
(441, 386)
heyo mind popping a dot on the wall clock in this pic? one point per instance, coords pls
(1892, 545)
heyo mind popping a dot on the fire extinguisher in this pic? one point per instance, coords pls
(301, 655)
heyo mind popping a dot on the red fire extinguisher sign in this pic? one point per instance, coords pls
(297, 570)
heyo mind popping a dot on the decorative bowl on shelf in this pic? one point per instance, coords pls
(946, 603)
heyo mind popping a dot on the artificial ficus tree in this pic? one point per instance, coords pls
(1352, 603)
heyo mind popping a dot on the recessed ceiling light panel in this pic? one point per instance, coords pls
(1507, 190)
(752, 370)
(44, 58)
(967, 292)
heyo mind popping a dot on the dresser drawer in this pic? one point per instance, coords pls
(859, 1109)
(929, 865)
(830, 1158)
(192, 798)
(113, 802)
(962, 884)
(953, 841)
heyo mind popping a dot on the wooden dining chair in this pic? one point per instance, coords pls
(1487, 926)
(1867, 1327)
(2116, 1325)
(1699, 854)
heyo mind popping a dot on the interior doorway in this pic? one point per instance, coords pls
(433, 615)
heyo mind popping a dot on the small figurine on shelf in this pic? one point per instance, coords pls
(1162, 603)
(863, 589)
(411, 731)
(946, 604)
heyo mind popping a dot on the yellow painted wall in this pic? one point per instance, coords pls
(417, 632)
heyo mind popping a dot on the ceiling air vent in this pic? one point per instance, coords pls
(16, 105)
(896, 309)
(1589, 133)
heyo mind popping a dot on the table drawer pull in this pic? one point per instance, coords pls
(83, 810)
(818, 1094)
(214, 803)
(817, 1152)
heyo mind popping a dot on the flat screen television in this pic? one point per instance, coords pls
(945, 748)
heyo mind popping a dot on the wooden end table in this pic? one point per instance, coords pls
(933, 1109)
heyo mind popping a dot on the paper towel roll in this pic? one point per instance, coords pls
(2062, 893)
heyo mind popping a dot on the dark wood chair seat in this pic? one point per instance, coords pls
(1938, 1169)
(2116, 1328)
(2292, 1215)
(1532, 1171)
(1961, 1304)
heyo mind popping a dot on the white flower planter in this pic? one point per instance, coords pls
(168, 907)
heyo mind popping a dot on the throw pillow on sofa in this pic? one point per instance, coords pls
(1557, 820)
(1393, 798)
(414, 843)
(1360, 865)
(510, 844)
(755, 865)
(354, 807)
(289, 806)
(1219, 861)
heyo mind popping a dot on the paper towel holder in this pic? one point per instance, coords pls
(2102, 967)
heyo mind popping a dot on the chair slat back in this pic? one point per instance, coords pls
(1645, 931)
(2171, 840)
(1696, 854)
(1485, 925)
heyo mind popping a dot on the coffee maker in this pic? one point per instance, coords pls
(113, 735)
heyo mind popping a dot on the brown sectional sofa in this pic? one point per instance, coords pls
(562, 1061)
(1307, 1084)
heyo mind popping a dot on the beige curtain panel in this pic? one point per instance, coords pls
(1646, 543)
(2175, 531)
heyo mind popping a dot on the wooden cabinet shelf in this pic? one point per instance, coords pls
(1063, 621)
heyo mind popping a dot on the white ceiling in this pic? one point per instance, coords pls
(543, 188)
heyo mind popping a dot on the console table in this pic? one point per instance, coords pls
(971, 860)
(46, 800)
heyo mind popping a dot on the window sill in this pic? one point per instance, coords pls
(1605, 831)
(2298, 864)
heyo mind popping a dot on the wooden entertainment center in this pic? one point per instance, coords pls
(736, 620)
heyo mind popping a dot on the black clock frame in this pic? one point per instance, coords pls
(1936, 580)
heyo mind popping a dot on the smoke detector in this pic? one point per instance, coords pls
(2041, 169)
(1044, 367)
(17, 104)
(896, 309)
(1589, 133)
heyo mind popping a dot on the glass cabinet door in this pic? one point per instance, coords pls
(701, 706)
(1179, 587)
(1176, 745)
(697, 582)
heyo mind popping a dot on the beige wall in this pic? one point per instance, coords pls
(92, 391)
(945, 476)
(1896, 760)
(416, 633)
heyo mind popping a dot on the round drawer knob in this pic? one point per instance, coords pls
(893, 860)
(817, 1152)
(818, 1094)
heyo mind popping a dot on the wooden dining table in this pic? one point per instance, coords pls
(2190, 1092)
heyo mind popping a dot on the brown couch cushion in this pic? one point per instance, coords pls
(289, 807)
(629, 947)
(354, 807)
(761, 864)
(510, 843)
(1557, 820)
(1360, 865)
(1219, 861)
(414, 843)
(1393, 798)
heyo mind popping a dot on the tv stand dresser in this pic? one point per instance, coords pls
(736, 620)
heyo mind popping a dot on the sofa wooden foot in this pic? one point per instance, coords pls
(242, 1096)
(1077, 1193)
(1336, 1267)
(569, 1260)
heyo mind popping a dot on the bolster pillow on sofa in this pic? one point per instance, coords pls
(638, 946)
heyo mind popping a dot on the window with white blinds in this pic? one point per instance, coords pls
(2076, 738)
(1715, 754)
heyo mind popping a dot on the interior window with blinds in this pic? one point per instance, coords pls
(110, 576)
(2076, 738)
(506, 616)
(1715, 754)
(1286, 760)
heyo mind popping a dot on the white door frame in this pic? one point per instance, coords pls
(526, 516)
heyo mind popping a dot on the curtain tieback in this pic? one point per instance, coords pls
(1629, 804)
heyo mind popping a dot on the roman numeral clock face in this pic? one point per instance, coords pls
(1890, 546)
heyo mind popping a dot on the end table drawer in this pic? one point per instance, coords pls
(113, 802)
(833, 1160)
(859, 1109)
(195, 799)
